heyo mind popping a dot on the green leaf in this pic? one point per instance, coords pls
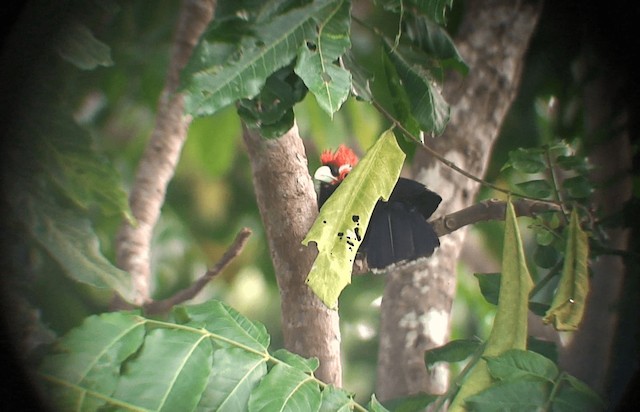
(335, 400)
(510, 324)
(169, 373)
(234, 375)
(515, 395)
(399, 97)
(226, 324)
(297, 361)
(536, 188)
(344, 218)
(217, 77)
(412, 403)
(375, 405)
(79, 47)
(286, 389)
(578, 187)
(574, 396)
(87, 359)
(316, 65)
(454, 351)
(529, 161)
(546, 256)
(515, 364)
(434, 40)
(489, 286)
(71, 241)
(428, 106)
(567, 307)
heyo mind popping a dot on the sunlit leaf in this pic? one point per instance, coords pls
(344, 218)
(316, 63)
(569, 301)
(510, 324)
(297, 361)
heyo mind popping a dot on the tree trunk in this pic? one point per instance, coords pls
(288, 206)
(417, 301)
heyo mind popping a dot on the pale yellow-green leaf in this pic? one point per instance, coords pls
(568, 303)
(510, 324)
(343, 219)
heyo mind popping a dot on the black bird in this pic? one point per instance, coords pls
(398, 230)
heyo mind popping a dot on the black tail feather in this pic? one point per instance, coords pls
(396, 233)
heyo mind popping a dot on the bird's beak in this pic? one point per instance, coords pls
(323, 174)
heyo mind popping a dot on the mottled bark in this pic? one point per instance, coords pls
(288, 206)
(416, 305)
(159, 160)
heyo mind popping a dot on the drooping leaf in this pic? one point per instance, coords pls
(316, 63)
(71, 241)
(87, 360)
(234, 375)
(454, 351)
(344, 218)
(375, 405)
(527, 160)
(361, 78)
(574, 395)
(286, 389)
(569, 301)
(509, 329)
(435, 9)
(218, 75)
(79, 47)
(399, 96)
(428, 106)
(489, 286)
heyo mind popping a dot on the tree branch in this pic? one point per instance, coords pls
(157, 165)
(161, 306)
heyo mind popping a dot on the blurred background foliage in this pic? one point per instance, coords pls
(211, 197)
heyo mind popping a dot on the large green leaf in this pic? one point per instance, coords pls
(286, 389)
(316, 63)
(71, 241)
(569, 301)
(211, 359)
(428, 106)
(226, 323)
(235, 374)
(170, 372)
(87, 360)
(219, 74)
(344, 218)
(510, 324)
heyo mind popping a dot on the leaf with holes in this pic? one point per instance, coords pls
(316, 63)
(344, 218)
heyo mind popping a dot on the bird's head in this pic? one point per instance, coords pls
(335, 165)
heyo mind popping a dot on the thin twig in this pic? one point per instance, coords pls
(234, 250)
